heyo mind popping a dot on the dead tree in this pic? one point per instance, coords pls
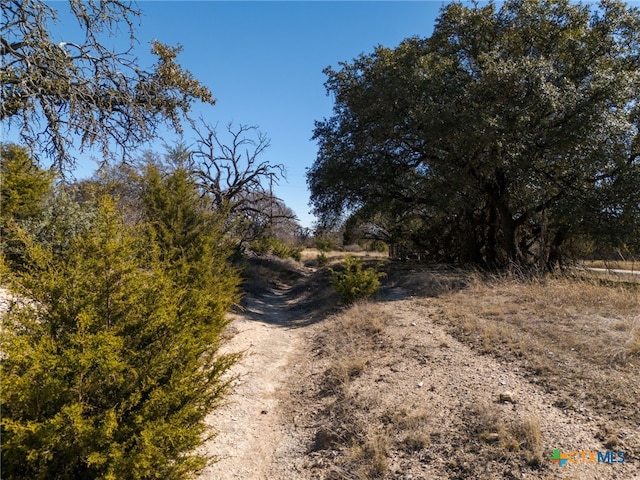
(232, 174)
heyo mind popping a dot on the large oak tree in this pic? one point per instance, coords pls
(508, 134)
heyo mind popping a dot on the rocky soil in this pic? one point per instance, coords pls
(416, 402)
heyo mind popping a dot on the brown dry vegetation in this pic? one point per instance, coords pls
(582, 333)
(309, 255)
(613, 264)
(454, 374)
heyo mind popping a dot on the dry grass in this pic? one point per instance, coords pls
(613, 264)
(504, 436)
(349, 346)
(531, 440)
(384, 403)
(309, 256)
(567, 333)
(563, 314)
(632, 346)
(356, 423)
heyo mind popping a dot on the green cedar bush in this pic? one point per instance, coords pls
(322, 259)
(353, 282)
(24, 190)
(24, 184)
(324, 244)
(110, 364)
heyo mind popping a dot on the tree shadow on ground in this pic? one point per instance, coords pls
(286, 293)
(405, 280)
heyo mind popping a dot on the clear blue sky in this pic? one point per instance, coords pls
(263, 61)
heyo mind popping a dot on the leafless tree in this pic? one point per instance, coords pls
(79, 92)
(234, 176)
(267, 215)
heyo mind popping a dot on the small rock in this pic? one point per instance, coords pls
(263, 412)
(420, 384)
(502, 382)
(413, 324)
(506, 397)
(491, 437)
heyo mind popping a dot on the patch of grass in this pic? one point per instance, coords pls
(372, 455)
(503, 436)
(489, 425)
(341, 371)
(633, 345)
(345, 425)
(410, 428)
(350, 344)
(322, 260)
(613, 264)
(530, 438)
(579, 336)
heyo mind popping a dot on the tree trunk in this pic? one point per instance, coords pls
(490, 244)
(555, 254)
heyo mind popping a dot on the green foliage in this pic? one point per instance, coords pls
(25, 191)
(378, 246)
(324, 243)
(191, 239)
(111, 364)
(25, 186)
(178, 216)
(80, 92)
(322, 259)
(353, 282)
(62, 219)
(509, 132)
(275, 246)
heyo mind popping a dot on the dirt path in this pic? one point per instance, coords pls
(438, 408)
(252, 433)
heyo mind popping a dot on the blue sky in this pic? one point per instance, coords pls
(263, 61)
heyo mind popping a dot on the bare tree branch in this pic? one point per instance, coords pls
(229, 169)
(78, 92)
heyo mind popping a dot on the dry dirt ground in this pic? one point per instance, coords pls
(444, 375)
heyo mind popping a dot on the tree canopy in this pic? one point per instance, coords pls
(508, 134)
(79, 91)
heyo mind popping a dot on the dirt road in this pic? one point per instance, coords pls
(252, 438)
